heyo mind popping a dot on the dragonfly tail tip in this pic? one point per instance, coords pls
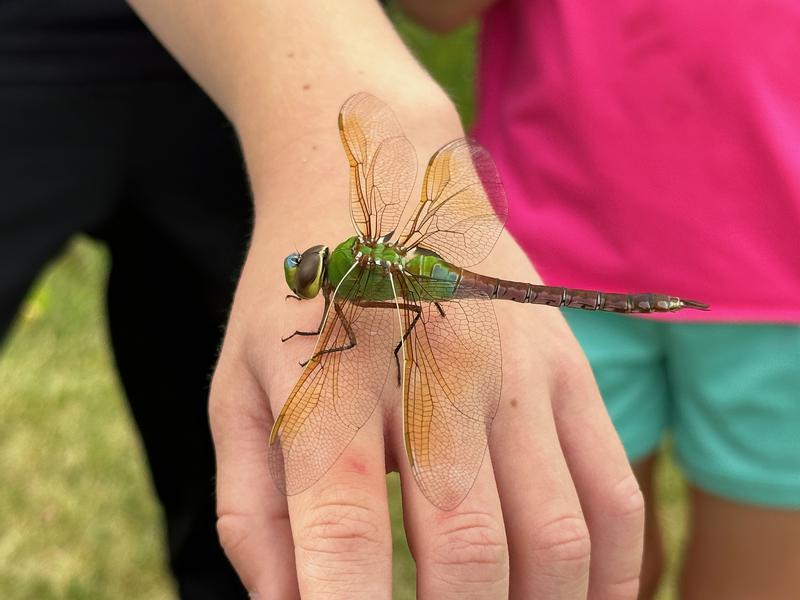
(695, 305)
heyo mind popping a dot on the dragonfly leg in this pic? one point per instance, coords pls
(439, 308)
(321, 321)
(418, 314)
(351, 337)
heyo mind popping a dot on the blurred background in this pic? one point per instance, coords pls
(78, 517)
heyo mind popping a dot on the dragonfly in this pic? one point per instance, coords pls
(402, 294)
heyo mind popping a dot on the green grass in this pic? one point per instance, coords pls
(78, 517)
(77, 514)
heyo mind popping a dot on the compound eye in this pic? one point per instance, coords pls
(309, 273)
(305, 272)
(290, 267)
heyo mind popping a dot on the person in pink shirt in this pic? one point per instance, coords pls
(650, 145)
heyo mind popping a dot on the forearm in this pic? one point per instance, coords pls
(281, 69)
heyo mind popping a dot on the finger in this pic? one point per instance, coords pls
(613, 504)
(547, 535)
(253, 521)
(342, 532)
(461, 553)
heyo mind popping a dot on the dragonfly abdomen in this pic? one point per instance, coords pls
(529, 293)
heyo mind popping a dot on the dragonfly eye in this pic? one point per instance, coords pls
(290, 264)
(305, 272)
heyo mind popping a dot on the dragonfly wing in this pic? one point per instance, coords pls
(452, 381)
(335, 395)
(463, 205)
(383, 165)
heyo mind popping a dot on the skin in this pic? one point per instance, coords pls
(280, 71)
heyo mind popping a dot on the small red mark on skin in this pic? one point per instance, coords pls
(290, 55)
(514, 403)
(306, 86)
(355, 466)
(443, 516)
(314, 147)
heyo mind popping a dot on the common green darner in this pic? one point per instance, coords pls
(392, 290)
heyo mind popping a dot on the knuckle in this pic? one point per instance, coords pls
(562, 548)
(571, 358)
(626, 500)
(571, 371)
(233, 531)
(341, 535)
(236, 404)
(471, 548)
(216, 407)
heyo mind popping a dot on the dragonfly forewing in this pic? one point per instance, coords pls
(383, 165)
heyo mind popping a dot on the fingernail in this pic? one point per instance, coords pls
(254, 596)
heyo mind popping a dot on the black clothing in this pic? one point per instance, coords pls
(102, 132)
(50, 41)
(153, 169)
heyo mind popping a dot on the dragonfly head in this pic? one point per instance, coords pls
(305, 272)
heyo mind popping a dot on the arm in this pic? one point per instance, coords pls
(280, 69)
(444, 16)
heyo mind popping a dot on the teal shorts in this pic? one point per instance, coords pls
(729, 395)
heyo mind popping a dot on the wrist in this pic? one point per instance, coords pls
(301, 186)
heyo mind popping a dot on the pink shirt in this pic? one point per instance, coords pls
(651, 146)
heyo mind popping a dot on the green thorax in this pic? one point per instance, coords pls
(380, 260)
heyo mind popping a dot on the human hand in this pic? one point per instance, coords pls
(554, 478)
(555, 475)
